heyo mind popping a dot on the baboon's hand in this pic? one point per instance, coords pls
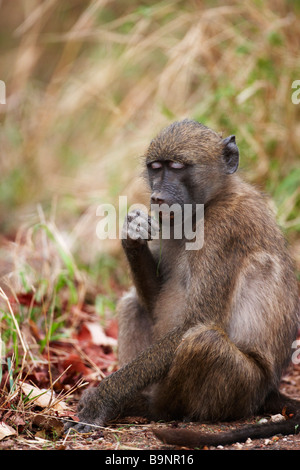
(91, 411)
(139, 227)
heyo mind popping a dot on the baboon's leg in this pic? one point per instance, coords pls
(135, 335)
(210, 379)
(135, 328)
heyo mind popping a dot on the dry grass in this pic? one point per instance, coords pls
(89, 86)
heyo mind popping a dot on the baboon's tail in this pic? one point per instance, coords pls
(276, 402)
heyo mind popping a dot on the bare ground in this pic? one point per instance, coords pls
(136, 433)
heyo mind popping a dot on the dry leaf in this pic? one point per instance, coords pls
(98, 335)
(42, 397)
(48, 424)
(75, 365)
(6, 431)
(112, 329)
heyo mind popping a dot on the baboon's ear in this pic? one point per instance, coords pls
(230, 154)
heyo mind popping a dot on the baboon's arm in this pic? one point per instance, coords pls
(143, 268)
(101, 404)
(138, 229)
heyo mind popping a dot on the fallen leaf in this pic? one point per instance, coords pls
(17, 420)
(112, 329)
(98, 335)
(27, 299)
(84, 334)
(48, 424)
(43, 398)
(103, 359)
(75, 364)
(41, 434)
(6, 431)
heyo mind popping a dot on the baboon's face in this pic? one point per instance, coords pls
(188, 164)
(170, 182)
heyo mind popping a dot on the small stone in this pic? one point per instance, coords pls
(249, 441)
(267, 442)
(263, 421)
(238, 445)
(277, 418)
(220, 447)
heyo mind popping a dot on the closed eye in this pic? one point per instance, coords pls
(176, 165)
(156, 165)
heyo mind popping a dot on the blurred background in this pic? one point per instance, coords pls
(89, 83)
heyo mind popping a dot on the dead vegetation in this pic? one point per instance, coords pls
(88, 84)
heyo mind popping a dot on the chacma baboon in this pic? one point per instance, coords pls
(205, 334)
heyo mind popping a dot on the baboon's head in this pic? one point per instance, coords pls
(188, 163)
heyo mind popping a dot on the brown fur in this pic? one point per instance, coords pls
(209, 337)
